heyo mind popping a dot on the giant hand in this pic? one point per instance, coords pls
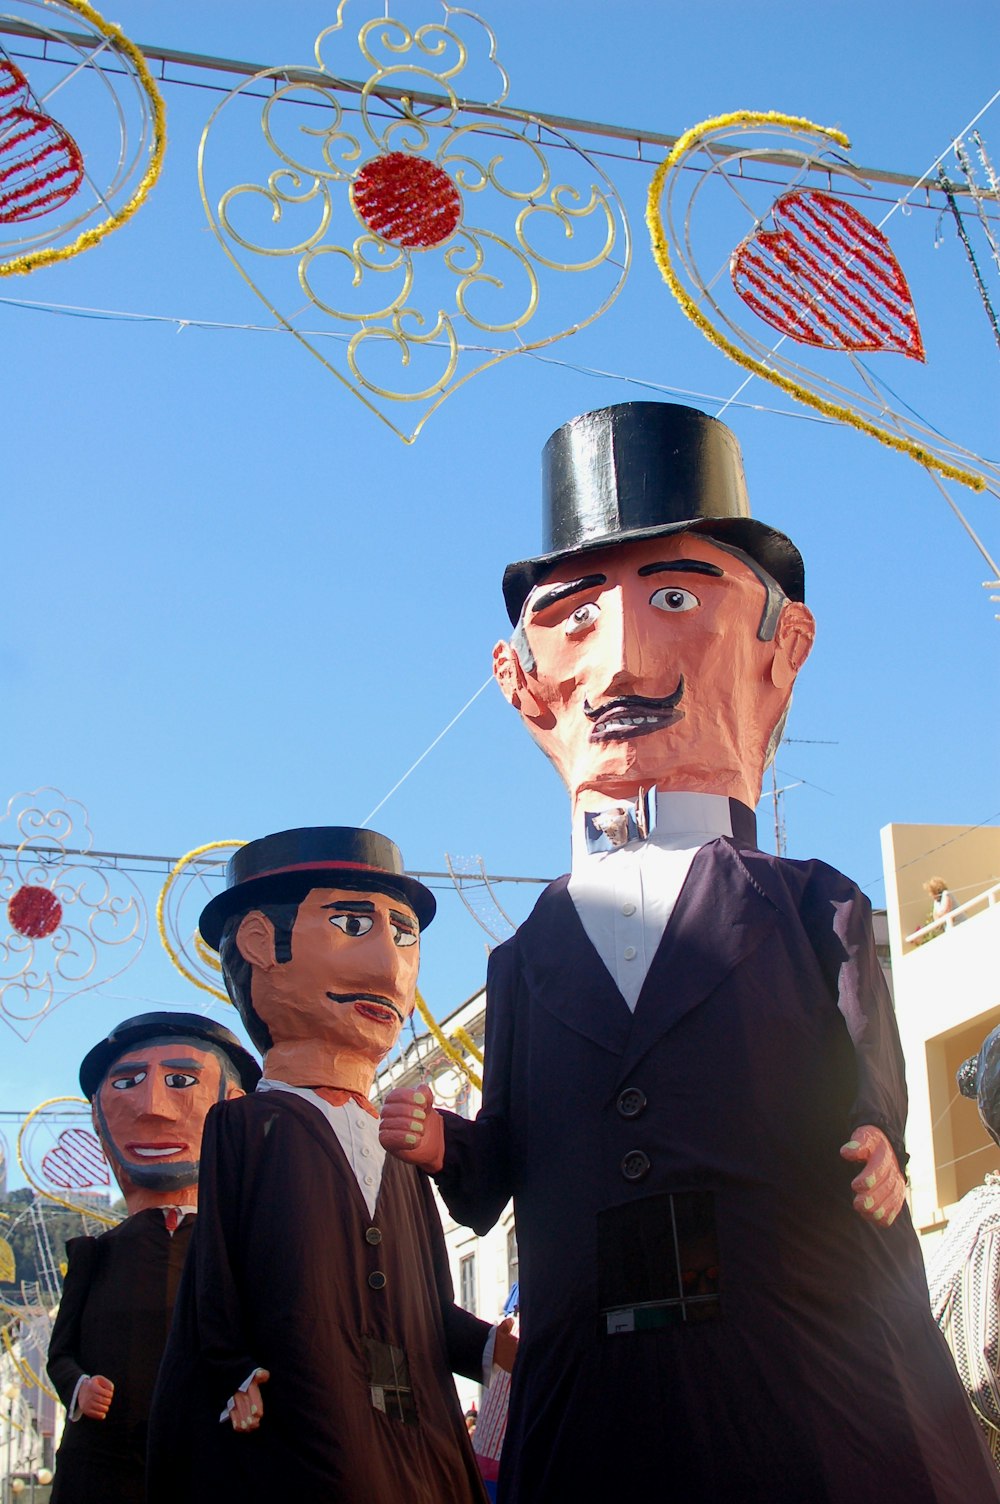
(247, 1410)
(95, 1396)
(411, 1128)
(880, 1189)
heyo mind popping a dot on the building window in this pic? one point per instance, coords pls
(463, 1102)
(511, 1258)
(467, 1282)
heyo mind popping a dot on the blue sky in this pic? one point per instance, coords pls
(235, 602)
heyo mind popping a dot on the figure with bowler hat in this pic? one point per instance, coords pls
(150, 1084)
(316, 1333)
(693, 1084)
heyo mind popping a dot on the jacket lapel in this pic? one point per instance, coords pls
(565, 975)
(721, 916)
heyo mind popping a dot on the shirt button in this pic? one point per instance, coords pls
(376, 1280)
(635, 1165)
(373, 1235)
(629, 952)
(631, 1102)
(369, 1180)
(366, 1153)
(628, 909)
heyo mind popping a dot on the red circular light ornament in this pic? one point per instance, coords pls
(406, 200)
(34, 912)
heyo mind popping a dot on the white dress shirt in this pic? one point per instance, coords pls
(626, 896)
(357, 1134)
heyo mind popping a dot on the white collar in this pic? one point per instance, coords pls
(677, 820)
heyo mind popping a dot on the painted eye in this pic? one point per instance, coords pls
(180, 1079)
(352, 924)
(125, 1083)
(671, 599)
(582, 618)
(403, 937)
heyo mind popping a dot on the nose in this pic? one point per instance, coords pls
(377, 962)
(155, 1096)
(621, 658)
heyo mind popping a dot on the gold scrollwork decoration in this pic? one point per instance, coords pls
(437, 230)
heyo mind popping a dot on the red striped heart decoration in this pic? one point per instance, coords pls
(77, 1162)
(825, 275)
(41, 165)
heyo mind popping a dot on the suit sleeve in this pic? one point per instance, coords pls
(64, 1367)
(478, 1177)
(465, 1335)
(218, 1251)
(844, 943)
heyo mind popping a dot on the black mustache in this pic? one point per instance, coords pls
(635, 703)
(364, 997)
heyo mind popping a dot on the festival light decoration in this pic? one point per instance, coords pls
(59, 1155)
(68, 179)
(824, 275)
(67, 924)
(182, 898)
(429, 234)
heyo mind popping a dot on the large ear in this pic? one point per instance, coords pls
(233, 1091)
(513, 681)
(255, 940)
(793, 640)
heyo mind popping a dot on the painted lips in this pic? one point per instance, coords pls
(630, 716)
(369, 1005)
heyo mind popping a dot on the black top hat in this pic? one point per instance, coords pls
(146, 1026)
(284, 867)
(640, 470)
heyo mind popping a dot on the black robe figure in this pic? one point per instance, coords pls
(722, 1301)
(99, 1331)
(351, 1315)
(150, 1082)
(315, 1334)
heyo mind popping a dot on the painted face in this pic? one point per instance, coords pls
(648, 669)
(150, 1112)
(351, 981)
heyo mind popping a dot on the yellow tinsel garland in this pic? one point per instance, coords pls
(661, 255)
(454, 1055)
(88, 238)
(28, 1374)
(207, 956)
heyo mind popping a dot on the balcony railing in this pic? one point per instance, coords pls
(986, 899)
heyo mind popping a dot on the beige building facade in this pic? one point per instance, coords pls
(946, 983)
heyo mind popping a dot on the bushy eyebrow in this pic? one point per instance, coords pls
(122, 1067)
(682, 566)
(561, 592)
(185, 1065)
(406, 920)
(352, 906)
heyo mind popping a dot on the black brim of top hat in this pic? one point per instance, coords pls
(283, 868)
(645, 470)
(163, 1026)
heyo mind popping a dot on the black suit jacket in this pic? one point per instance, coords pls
(113, 1319)
(691, 1149)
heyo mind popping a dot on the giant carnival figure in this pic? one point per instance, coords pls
(316, 1333)
(964, 1268)
(150, 1083)
(722, 1301)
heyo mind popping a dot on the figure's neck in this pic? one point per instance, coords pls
(140, 1199)
(315, 1063)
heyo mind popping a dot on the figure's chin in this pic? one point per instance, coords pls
(169, 1176)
